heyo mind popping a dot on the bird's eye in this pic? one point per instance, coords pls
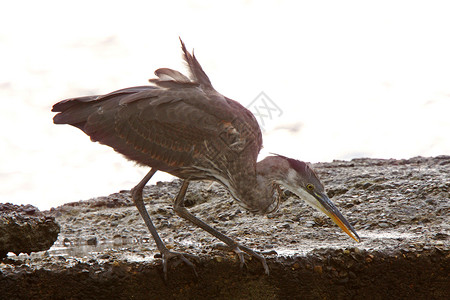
(310, 187)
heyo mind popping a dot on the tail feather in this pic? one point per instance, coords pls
(64, 105)
(76, 117)
(75, 111)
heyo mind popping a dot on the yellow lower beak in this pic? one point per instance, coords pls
(350, 231)
(331, 210)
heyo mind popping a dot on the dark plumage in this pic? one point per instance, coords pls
(183, 126)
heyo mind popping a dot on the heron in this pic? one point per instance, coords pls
(182, 126)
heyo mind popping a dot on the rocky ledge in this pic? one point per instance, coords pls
(400, 209)
(24, 229)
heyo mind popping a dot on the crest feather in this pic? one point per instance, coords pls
(195, 69)
(169, 78)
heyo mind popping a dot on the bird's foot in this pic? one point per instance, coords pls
(166, 255)
(240, 250)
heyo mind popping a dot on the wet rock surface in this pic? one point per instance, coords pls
(24, 229)
(400, 209)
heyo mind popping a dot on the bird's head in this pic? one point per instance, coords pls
(299, 178)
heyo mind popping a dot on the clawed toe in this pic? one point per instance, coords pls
(167, 255)
(241, 250)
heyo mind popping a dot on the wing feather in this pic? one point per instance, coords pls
(160, 128)
(181, 125)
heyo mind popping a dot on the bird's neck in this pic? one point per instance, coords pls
(270, 173)
(260, 192)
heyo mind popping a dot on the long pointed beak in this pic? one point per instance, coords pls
(327, 207)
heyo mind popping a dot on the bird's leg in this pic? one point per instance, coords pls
(136, 194)
(239, 249)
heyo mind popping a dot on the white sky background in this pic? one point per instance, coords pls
(353, 79)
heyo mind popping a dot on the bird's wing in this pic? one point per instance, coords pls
(167, 125)
(162, 128)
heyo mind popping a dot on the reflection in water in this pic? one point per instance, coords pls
(68, 249)
(126, 244)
